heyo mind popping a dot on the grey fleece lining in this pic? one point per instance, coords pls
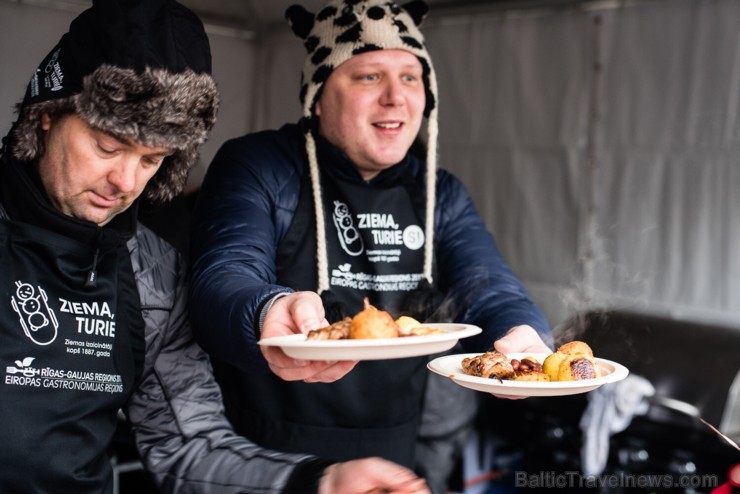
(155, 107)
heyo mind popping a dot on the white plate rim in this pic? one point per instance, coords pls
(450, 366)
(374, 348)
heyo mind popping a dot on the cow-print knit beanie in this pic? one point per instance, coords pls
(136, 69)
(339, 31)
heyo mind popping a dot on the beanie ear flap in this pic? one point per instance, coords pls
(301, 21)
(417, 9)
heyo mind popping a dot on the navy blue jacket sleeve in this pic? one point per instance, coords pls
(233, 245)
(473, 272)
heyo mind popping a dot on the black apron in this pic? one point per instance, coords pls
(70, 355)
(375, 245)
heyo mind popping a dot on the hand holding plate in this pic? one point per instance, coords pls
(299, 313)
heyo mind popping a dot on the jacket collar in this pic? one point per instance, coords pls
(334, 162)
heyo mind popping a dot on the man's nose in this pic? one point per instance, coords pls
(392, 93)
(123, 175)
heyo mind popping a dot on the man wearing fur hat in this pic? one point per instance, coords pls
(93, 319)
(339, 205)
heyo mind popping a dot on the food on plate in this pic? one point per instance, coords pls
(372, 323)
(551, 365)
(337, 331)
(406, 323)
(528, 369)
(577, 368)
(576, 348)
(572, 361)
(493, 365)
(421, 331)
(408, 326)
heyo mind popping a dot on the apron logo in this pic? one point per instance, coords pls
(413, 237)
(35, 84)
(54, 74)
(38, 321)
(23, 374)
(23, 367)
(349, 237)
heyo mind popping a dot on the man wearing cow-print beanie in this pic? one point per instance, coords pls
(296, 226)
(93, 324)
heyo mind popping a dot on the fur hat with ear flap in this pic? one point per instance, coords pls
(137, 69)
(338, 32)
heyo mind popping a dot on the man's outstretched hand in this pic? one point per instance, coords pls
(299, 312)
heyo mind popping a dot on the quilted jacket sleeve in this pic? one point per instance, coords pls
(473, 271)
(249, 187)
(176, 413)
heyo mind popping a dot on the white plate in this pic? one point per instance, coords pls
(451, 366)
(297, 346)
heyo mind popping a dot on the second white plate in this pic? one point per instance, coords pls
(451, 366)
(298, 347)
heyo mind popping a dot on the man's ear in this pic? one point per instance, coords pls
(45, 121)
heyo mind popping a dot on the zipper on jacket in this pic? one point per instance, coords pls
(92, 275)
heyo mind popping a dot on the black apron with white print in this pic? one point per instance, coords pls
(375, 246)
(375, 242)
(69, 357)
